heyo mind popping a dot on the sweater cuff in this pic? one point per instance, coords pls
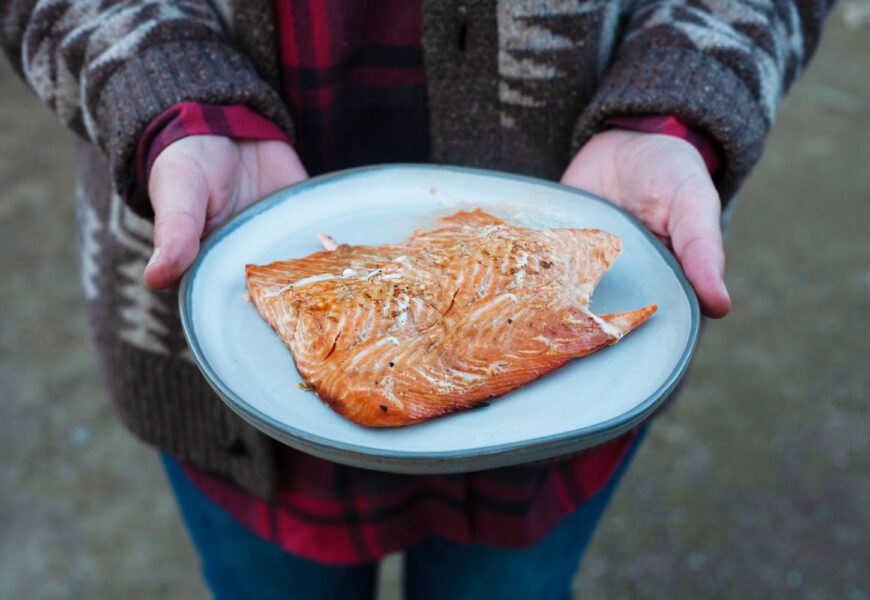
(161, 76)
(689, 84)
(186, 119)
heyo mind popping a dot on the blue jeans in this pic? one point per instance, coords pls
(238, 564)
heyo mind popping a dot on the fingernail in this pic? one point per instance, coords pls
(153, 258)
(724, 289)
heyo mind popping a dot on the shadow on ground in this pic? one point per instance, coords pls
(755, 485)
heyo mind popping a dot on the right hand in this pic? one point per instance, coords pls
(198, 182)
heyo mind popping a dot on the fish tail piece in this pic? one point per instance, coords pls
(626, 321)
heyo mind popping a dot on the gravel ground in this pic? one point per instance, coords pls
(754, 485)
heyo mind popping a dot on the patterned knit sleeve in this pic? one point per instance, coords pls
(724, 65)
(108, 69)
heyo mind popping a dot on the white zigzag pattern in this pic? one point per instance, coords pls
(109, 37)
(516, 34)
(717, 31)
(89, 227)
(140, 323)
(141, 327)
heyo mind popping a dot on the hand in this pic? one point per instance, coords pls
(662, 180)
(198, 182)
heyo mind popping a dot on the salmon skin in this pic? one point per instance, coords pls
(397, 334)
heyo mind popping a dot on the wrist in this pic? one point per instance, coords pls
(673, 126)
(189, 119)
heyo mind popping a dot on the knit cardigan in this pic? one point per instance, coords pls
(515, 85)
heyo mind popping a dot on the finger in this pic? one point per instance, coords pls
(179, 197)
(697, 241)
(699, 258)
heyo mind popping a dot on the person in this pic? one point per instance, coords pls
(186, 111)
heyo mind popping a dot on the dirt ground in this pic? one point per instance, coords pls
(756, 484)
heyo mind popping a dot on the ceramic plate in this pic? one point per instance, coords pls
(587, 402)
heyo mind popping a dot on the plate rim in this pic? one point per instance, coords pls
(452, 461)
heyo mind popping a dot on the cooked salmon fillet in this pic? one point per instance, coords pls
(396, 334)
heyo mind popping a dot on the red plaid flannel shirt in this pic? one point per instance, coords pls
(355, 88)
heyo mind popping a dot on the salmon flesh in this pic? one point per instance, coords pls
(396, 334)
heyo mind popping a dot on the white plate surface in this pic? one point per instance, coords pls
(586, 402)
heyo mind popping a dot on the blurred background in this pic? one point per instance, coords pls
(756, 484)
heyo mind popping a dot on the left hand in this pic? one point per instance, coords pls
(662, 180)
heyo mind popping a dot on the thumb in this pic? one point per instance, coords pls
(696, 237)
(179, 195)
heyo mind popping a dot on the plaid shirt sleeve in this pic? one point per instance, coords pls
(190, 118)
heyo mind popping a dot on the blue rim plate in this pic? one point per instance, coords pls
(587, 402)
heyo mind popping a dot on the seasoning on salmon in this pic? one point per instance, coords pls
(396, 334)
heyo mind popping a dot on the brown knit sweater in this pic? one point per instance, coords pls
(529, 83)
